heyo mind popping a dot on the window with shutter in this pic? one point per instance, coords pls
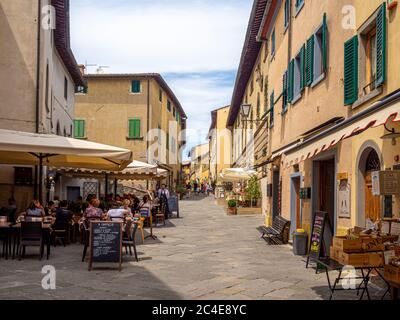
(135, 86)
(134, 129)
(381, 45)
(291, 81)
(324, 44)
(302, 67)
(79, 128)
(271, 112)
(169, 106)
(310, 61)
(351, 71)
(284, 92)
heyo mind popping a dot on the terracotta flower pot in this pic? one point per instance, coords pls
(232, 211)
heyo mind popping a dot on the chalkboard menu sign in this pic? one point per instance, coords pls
(173, 205)
(317, 235)
(105, 243)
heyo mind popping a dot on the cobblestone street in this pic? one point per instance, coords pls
(203, 255)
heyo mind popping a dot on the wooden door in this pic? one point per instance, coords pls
(372, 203)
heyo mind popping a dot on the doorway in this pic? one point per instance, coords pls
(369, 206)
(275, 194)
(295, 204)
(73, 193)
(324, 195)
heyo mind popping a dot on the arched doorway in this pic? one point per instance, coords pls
(369, 206)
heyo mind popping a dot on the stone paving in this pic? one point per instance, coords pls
(203, 255)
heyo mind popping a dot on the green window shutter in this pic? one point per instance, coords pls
(291, 81)
(324, 44)
(381, 45)
(134, 128)
(309, 69)
(135, 86)
(302, 67)
(271, 113)
(79, 128)
(177, 116)
(351, 71)
(284, 92)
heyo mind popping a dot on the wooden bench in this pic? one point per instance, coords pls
(275, 233)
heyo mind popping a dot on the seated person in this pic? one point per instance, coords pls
(93, 212)
(126, 206)
(117, 214)
(35, 210)
(145, 207)
(51, 208)
(63, 215)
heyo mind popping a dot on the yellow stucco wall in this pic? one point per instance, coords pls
(108, 106)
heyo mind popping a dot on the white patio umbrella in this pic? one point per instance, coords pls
(237, 174)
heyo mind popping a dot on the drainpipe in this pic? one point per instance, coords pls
(37, 188)
(148, 123)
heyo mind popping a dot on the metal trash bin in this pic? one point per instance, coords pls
(300, 240)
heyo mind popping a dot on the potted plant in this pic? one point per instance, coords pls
(180, 190)
(232, 207)
(253, 191)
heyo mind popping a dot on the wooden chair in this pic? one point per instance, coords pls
(128, 239)
(61, 233)
(160, 216)
(141, 227)
(31, 236)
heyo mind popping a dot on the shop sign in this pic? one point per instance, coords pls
(344, 199)
(385, 183)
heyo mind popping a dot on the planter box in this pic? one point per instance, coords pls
(392, 273)
(366, 244)
(249, 211)
(371, 259)
(231, 211)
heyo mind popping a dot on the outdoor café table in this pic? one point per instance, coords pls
(5, 229)
(46, 230)
(330, 265)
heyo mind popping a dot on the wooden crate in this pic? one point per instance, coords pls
(335, 253)
(392, 273)
(370, 259)
(363, 244)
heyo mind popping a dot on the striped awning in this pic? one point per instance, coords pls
(305, 150)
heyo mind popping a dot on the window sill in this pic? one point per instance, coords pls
(135, 93)
(364, 99)
(133, 139)
(296, 99)
(318, 80)
(298, 9)
(81, 138)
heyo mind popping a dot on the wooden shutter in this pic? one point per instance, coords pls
(271, 112)
(136, 86)
(381, 45)
(324, 44)
(309, 69)
(351, 71)
(291, 81)
(134, 128)
(284, 92)
(302, 67)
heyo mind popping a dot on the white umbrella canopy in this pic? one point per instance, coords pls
(34, 149)
(237, 174)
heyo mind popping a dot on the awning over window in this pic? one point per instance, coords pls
(309, 149)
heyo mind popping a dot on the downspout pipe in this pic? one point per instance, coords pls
(37, 187)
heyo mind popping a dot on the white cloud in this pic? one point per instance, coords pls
(159, 36)
(195, 44)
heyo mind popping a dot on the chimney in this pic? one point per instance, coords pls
(82, 69)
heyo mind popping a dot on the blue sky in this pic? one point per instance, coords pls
(194, 44)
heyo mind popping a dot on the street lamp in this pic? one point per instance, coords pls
(246, 110)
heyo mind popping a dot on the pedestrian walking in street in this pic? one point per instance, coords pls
(163, 195)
